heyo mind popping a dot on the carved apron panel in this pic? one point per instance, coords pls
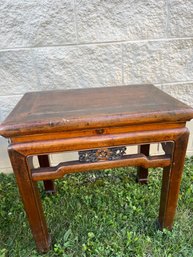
(102, 154)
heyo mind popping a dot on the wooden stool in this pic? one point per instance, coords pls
(99, 123)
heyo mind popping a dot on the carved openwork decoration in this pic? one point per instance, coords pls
(102, 154)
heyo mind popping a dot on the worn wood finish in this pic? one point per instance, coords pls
(31, 200)
(142, 173)
(75, 166)
(71, 144)
(171, 182)
(92, 108)
(98, 118)
(48, 184)
(95, 132)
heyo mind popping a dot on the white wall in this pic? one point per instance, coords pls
(74, 44)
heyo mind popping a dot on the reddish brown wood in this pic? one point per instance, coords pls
(48, 184)
(142, 173)
(60, 145)
(94, 132)
(95, 118)
(75, 166)
(31, 200)
(171, 182)
(92, 108)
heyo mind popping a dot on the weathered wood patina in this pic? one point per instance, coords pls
(99, 124)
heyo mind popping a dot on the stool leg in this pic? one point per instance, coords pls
(142, 173)
(171, 182)
(48, 184)
(31, 200)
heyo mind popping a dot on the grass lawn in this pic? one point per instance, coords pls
(102, 214)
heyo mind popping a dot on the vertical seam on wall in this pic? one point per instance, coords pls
(122, 68)
(167, 18)
(36, 72)
(190, 144)
(75, 21)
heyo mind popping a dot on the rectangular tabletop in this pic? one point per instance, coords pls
(63, 110)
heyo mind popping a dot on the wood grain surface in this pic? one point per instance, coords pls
(63, 110)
